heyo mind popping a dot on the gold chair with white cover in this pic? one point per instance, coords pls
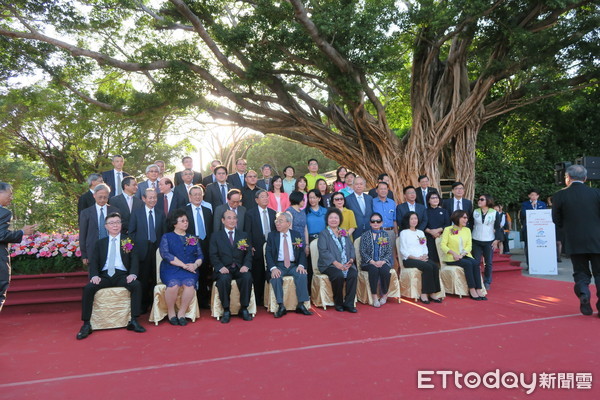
(216, 308)
(159, 307)
(452, 276)
(321, 290)
(112, 308)
(410, 279)
(363, 289)
(290, 300)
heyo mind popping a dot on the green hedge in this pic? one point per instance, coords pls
(30, 265)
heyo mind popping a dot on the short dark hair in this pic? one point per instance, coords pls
(112, 215)
(457, 183)
(381, 176)
(311, 160)
(333, 210)
(351, 173)
(317, 193)
(5, 186)
(406, 188)
(405, 224)
(382, 183)
(336, 194)
(430, 194)
(286, 168)
(117, 155)
(218, 167)
(533, 190)
(126, 181)
(375, 214)
(185, 158)
(173, 217)
(421, 177)
(456, 216)
(296, 198)
(232, 192)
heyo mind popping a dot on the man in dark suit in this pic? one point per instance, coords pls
(188, 163)
(424, 189)
(112, 264)
(146, 227)
(286, 257)
(534, 203)
(231, 257)
(260, 220)
(250, 190)
(126, 202)
(182, 191)
(238, 178)
(211, 178)
(91, 222)
(114, 177)
(382, 178)
(201, 225)
(7, 236)
(265, 182)
(87, 199)
(362, 205)
(152, 173)
(410, 195)
(234, 199)
(458, 202)
(168, 200)
(576, 209)
(216, 193)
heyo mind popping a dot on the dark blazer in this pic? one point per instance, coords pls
(263, 185)
(218, 215)
(213, 194)
(142, 186)
(402, 209)
(223, 254)
(253, 226)
(109, 178)
(420, 198)
(367, 245)
(576, 209)
(467, 205)
(208, 225)
(100, 253)
(234, 180)
(329, 252)
(207, 180)
(182, 194)
(362, 220)
(176, 202)
(88, 228)
(526, 205)
(120, 202)
(85, 200)
(138, 229)
(272, 250)
(7, 236)
(195, 180)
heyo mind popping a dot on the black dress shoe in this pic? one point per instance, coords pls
(424, 301)
(584, 305)
(85, 331)
(338, 308)
(226, 317)
(475, 298)
(436, 300)
(174, 321)
(245, 315)
(482, 298)
(135, 326)
(302, 310)
(182, 321)
(281, 311)
(350, 309)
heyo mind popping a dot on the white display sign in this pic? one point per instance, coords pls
(541, 242)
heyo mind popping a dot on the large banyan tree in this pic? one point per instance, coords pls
(319, 72)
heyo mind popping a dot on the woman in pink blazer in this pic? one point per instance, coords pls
(278, 199)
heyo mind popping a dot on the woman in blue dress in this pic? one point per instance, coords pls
(437, 219)
(181, 258)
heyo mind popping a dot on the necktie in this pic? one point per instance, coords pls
(458, 205)
(223, 194)
(231, 238)
(361, 204)
(286, 252)
(151, 229)
(101, 228)
(118, 184)
(112, 255)
(534, 205)
(267, 183)
(152, 185)
(265, 223)
(424, 196)
(199, 225)
(166, 205)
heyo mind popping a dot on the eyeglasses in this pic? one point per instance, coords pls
(375, 221)
(114, 223)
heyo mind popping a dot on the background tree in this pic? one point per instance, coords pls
(309, 70)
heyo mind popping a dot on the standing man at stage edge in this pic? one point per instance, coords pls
(576, 210)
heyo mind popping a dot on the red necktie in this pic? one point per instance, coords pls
(166, 205)
(286, 252)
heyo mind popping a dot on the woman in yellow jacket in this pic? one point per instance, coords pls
(456, 246)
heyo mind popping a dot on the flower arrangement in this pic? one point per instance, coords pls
(422, 240)
(242, 245)
(383, 241)
(46, 253)
(454, 231)
(343, 232)
(297, 243)
(191, 241)
(127, 245)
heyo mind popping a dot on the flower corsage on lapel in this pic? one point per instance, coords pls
(191, 241)
(383, 241)
(242, 245)
(127, 245)
(454, 231)
(297, 243)
(422, 240)
(343, 232)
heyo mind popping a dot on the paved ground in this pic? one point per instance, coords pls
(565, 268)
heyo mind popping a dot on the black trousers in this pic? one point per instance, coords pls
(258, 274)
(147, 276)
(582, 274)
(337, 279)
(4, 281)
(430, 274)
(244, 283)
(119, 279)
(377, 275)
(472, 271)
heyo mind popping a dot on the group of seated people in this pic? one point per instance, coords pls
(229, 227)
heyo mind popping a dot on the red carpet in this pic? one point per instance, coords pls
(528, 326)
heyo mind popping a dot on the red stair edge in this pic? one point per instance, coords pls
(41, 300)
(43, 276)
(32, 288)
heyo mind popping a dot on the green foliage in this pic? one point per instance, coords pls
(30, 265)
